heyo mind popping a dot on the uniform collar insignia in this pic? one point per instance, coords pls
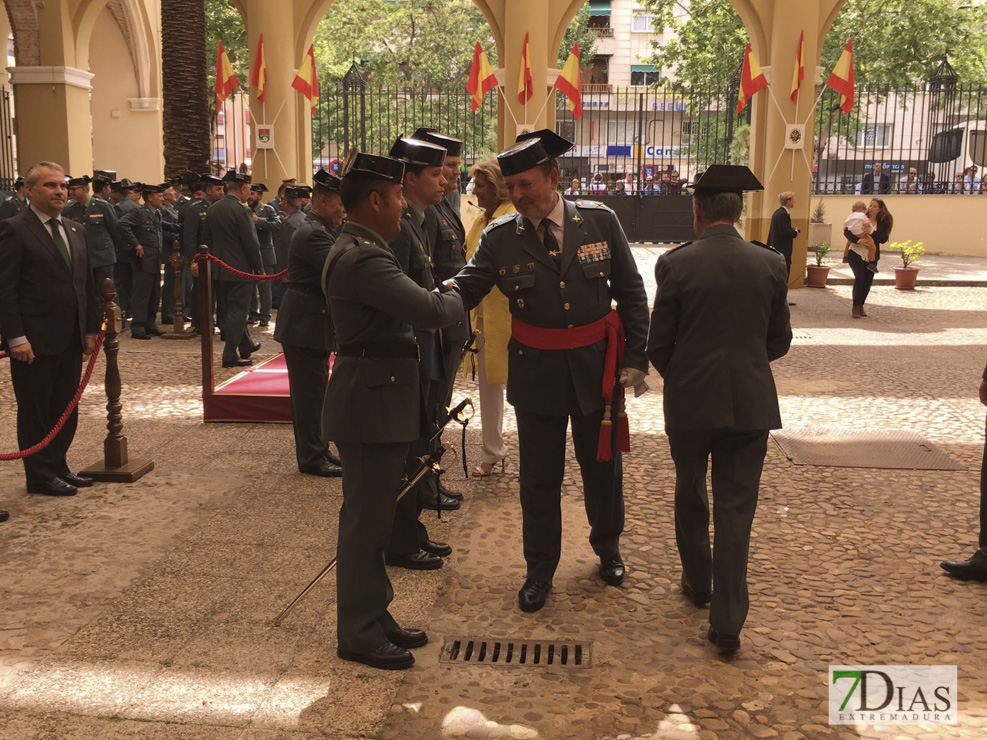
(577, 219)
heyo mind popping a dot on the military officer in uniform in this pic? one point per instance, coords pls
(268, 223)
(424, 185)
(229, 231)
(17, 202)
(447, 236)
(171, 232)
(122, 270)
(304, 326)
(100, 220)
(372, 408)
(292, 217)
(720, 318)
(212, 190)
(562, 264)
(141, 232)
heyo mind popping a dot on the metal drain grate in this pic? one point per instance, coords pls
(521, 653)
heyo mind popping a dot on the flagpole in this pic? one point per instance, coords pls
(551, 94)
(507, 105)
(814, 105)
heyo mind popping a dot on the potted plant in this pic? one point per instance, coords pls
(906, 275)
(820, 232)
(818, 273)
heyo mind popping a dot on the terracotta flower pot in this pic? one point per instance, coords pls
(818, 274)
(905, 277)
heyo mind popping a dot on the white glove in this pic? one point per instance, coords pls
(631, 377)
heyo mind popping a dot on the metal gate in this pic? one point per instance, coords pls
(8, 158)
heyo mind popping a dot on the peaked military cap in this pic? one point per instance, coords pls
(727, 178)
(104, 177)
(359, 165)
(418, 153)
(148, 188)
(234, 176)
(74, 182)
(531, 150)
(259, 187)
(327, 180)
(451, 144)
(298, 191)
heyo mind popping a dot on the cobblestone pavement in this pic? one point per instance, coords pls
(143, 611)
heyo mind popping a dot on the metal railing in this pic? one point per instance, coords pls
(8, 155)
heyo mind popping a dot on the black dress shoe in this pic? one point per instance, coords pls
(155, 331)
(139, 335)
(698, 598)
(332, 458)
(79, 481)
(437, 548)
(238, 363)
(388, 657)
(448, 492)
(264, 324)
(420, 560)
(612, 570)
(325, 469)
(407, 638)
(4, 516)
(973, 569)
(728, 644)
(532, 595)
(439, 502)
(53, 487)
(253, 348)
(791, 303)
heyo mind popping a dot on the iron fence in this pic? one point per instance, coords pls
(926, 140)
(8, 156)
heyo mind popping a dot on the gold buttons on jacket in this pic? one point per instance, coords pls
(602, 275)
(562, 283)
(393, 379)
(565, 306)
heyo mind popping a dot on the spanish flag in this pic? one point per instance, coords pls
(226, 80)
(307, 81)
(524, 85)
(568, 83)
(259, 77)
(482, 78)
(751, 79)
(798, 74)
(841, 78)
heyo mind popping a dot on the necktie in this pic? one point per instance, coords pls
(56, 236)
(550, 242)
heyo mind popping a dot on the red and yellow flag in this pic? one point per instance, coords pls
(482, 78)
(568, 82)
(307, 81)
(798, 74)
(751, 79)
(524, 85)
(226, 80)
(259, 77)
(841, 78)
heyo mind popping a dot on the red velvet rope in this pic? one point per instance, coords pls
(4, 355)
(240, 273)
(67, 413)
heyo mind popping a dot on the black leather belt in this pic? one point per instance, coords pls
(378, 351)
(307, 289)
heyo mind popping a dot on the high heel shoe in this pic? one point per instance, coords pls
(483, 470)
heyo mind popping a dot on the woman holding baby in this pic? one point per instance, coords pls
(881, 222)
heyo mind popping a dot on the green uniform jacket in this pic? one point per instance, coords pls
(12, 207)
(720, 317)
(268, 224)
(142, 225)
(229, 231)
(289, 224)
(304, 319)
(448, 239)
(193, 217)
(372, 301)
(597, 268)
(103, 240)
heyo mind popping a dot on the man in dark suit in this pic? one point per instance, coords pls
(49, 319)
(876, 181)
(372, 403)
(781, 235)
(975, 568)
(562, 264)
(720, 317)
(229, 231)
(304, 325)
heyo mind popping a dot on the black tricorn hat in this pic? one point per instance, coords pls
(74, 182)
(121, 186)
(148, 188)
(19, 182)
(104, 177)
(190, 178)
(451, 144)
(418, 153)
(208, 179)
(727, 178)
(234, 176)
(258, 187)
(327, 180)
(359, 165)
(531, 150)
(298, 191)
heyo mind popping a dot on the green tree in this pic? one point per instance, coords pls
(579, 32)
(224, 24)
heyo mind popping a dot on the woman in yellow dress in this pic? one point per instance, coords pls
(492, 322)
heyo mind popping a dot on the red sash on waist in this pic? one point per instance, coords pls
(609, 328)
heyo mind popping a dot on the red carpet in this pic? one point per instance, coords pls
(258, 394)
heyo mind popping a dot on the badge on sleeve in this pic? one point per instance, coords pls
(502, 271)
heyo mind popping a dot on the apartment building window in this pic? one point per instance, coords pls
(599, 71)
(644, 74)
(643, 23)
(875, 135)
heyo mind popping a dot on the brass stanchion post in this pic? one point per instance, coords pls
(177, 265)
(117, 467)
